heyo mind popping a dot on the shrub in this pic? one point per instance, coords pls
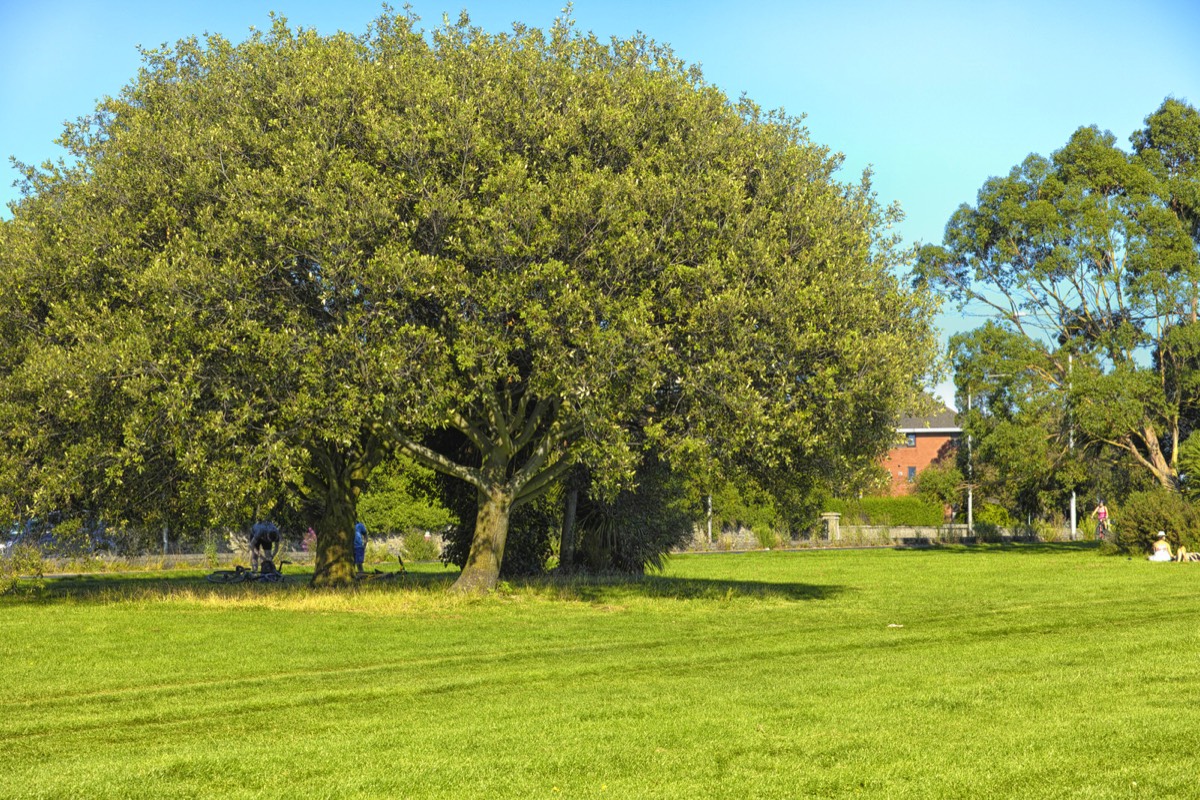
(1086, 528)
(741, 505)
(418, 548)
(1144, 514)
(381, 548)
(403, 497)
(941, 484)
(20, 560)
(308, 543)
(987, 532)
(210, 548)
(638, 527)
(1047, 530)
(993, 514)
(766, 536)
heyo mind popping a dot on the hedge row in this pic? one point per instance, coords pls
(894, 511)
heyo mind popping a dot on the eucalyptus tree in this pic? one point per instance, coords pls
(1090, 257)
(273, 264)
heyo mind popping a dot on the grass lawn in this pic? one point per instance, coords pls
(1027, 671)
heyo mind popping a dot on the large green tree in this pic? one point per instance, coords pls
(268, 266)
(1087, 262)
(1022, 455)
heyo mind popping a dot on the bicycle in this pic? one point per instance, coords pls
(1102, 529)
(377, 574)
(240, 574)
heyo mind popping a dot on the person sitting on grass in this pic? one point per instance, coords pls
(1162, 548)
(1183, 555)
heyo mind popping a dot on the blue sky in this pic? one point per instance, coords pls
(935, 95)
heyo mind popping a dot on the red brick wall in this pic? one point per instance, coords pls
(929, 446)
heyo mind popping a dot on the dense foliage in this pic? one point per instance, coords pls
(20, 564)
(269, 266)
(901, 511)
(941, 483)
(637, 527)
(1088, 263)
(402, 497)
(1143, 514)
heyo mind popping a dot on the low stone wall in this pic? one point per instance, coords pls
(852, 536)
(741, 539)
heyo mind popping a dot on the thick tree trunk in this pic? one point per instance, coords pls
(481, 573)
(335, 544)
(566, 547)
(340, 483)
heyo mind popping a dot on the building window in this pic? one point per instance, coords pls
(912, 474)
(910, 440)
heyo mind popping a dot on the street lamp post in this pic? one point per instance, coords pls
(970, 475)
(1071, 438)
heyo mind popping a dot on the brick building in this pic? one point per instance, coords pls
(926, 439)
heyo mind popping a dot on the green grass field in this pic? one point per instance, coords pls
(1028, 671)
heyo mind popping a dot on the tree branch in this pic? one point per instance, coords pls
(498, 420)
(477, 437)
(531, 424)
(543, 480)
(542, 452)
(436, 461)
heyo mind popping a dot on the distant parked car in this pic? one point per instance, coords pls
(10, 538)
(47, 536)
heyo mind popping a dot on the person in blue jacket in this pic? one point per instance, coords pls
(360, 545)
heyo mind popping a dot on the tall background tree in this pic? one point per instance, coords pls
(1087, 263)
(272, 265)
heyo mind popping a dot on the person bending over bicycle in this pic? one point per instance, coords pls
(264, 546)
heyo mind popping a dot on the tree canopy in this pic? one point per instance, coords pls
(266, 267)
(1087, 262)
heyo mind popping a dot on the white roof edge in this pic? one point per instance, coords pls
(928, 430)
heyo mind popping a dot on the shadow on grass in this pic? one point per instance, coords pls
(1014, 548)
(602, 588)
(104, 587)
(605, 588)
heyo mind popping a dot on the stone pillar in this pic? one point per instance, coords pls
(831, 521)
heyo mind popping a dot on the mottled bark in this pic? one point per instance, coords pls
(335, 543)
(335, 486)
(481, 573)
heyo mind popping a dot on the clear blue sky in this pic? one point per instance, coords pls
(935, 95)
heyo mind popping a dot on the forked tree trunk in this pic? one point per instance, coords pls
(481, 573)
(1162, 469)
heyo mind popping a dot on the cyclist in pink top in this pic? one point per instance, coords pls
(1101, 515)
